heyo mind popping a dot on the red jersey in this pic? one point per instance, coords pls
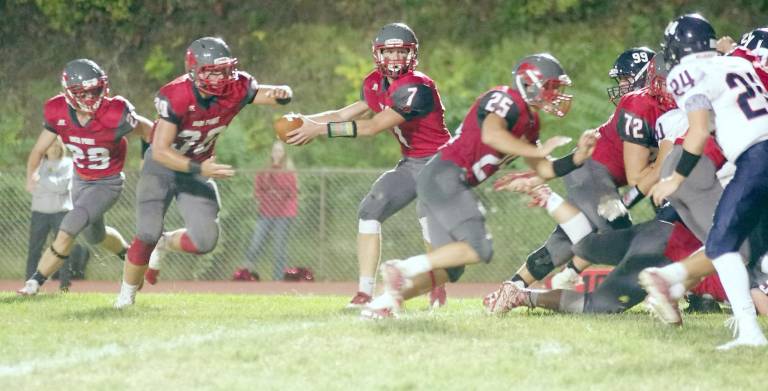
(415, 97)
(759, 60)
(200, 120)
(98, 147)
(277, 193)
(467, 150)
(633, 121)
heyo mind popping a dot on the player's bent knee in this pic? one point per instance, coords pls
(484, 249)
(199, 243)
(539, 263)
(139, 252)
(454, 273)
(374, 207)
(94, 235)
(74, 221)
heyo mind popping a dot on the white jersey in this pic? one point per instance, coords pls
(734, 92)
(672, 125)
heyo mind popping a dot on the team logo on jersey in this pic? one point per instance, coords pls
(212, 121)
(375, 87)
(61, 123)
(82, 140)
(191, 108)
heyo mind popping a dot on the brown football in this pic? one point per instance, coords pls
(286, 124)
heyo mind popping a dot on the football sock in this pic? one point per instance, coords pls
(733, 275)
(365, 285)
(571, 301)
(674, 273)
(414, 266)
(128, 289)
(39, 277)
(519, 281)
(573, 266)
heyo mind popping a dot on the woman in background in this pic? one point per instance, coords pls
(276, 190)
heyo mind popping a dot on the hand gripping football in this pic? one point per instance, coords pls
(286, 124)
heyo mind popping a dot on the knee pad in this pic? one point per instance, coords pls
(371, 227)
(138, 253)
(454, 273)
(539, 263)
(75, 221)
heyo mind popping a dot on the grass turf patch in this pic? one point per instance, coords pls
(204, 341)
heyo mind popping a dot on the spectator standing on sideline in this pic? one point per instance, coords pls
(276, 191)
(51, 200)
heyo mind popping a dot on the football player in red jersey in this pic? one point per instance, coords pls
(618, 155)
(406, 101)
(502, 124)
(193, 110)
(93, 126)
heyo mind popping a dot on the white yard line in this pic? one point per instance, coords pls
(73, 357)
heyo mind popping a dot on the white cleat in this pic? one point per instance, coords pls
(660, 300)
(31, 287)
(746, 333)
(385, 306)
(395, 281)
(566, 279)
(125, 300)
(508, 296)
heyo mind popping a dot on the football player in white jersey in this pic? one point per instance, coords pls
(727, 88)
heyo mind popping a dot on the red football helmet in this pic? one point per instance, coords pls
(656, 82)
(211, 66)
(395, 36)
(542, 81)
(85, 85)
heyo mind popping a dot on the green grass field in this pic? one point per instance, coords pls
(199, 341)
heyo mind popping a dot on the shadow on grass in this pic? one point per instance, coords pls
(109, 312)
(14, 298)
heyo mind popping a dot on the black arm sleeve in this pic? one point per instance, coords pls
(501, 104)
(48, 127)
(413, 101)
(253, 89)
(127, 123)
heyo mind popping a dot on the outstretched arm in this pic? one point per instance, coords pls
(386, 119)
(273, 95)
(44, 140)
(548, 169)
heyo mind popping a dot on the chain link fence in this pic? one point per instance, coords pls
(322, 237)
